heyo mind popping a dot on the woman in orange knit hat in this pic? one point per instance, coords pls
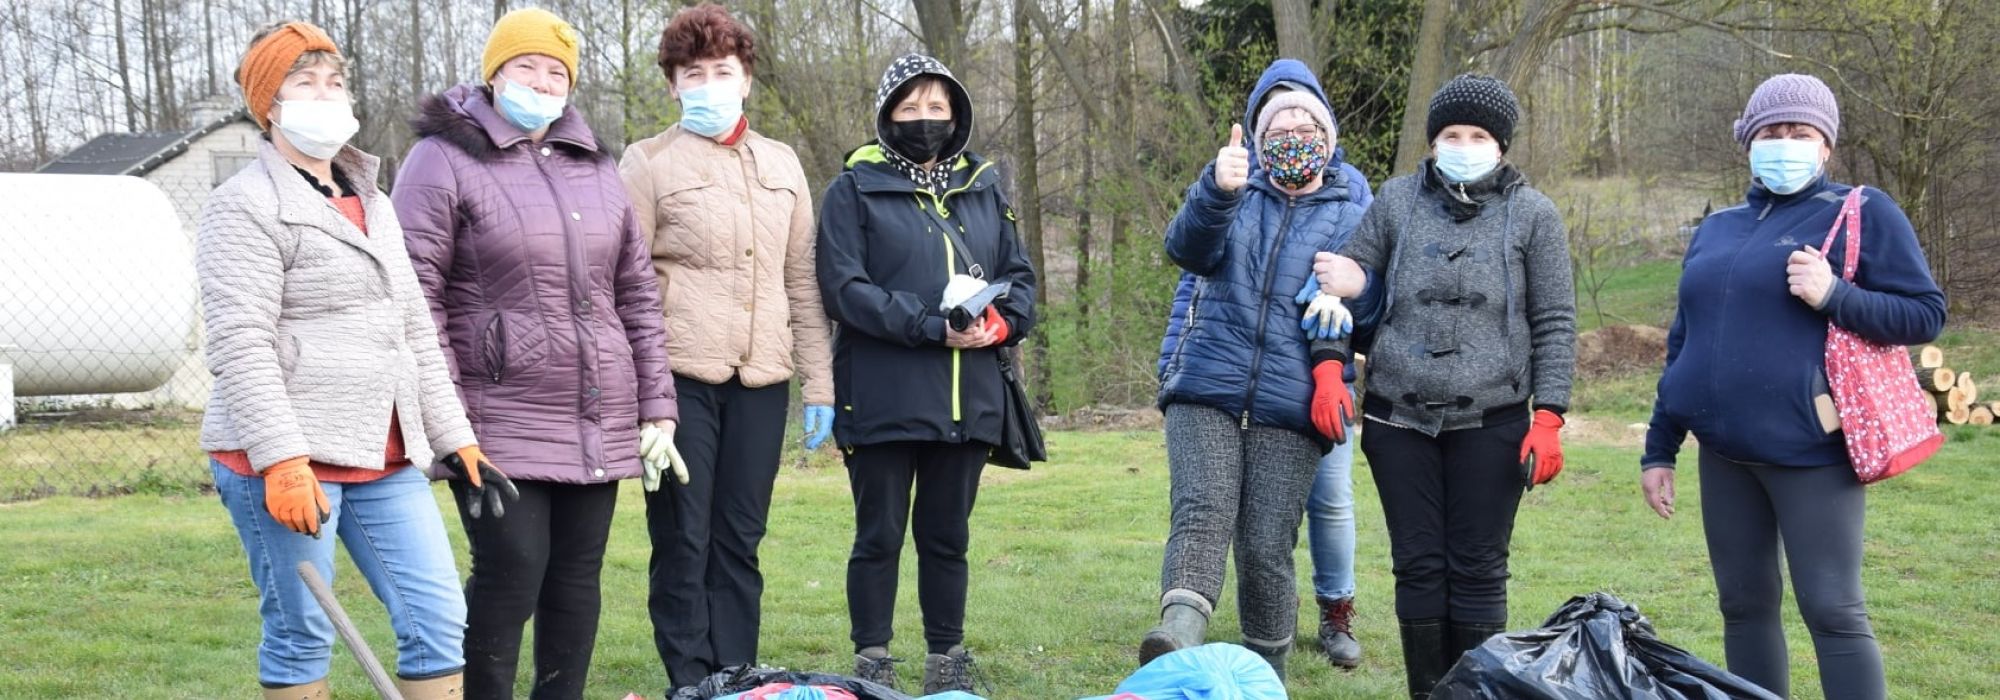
(329, 383)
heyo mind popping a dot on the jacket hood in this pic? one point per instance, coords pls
(465, 117)
(1289, 73)
(869, 164)
(913, 66)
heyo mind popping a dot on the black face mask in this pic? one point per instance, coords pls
(919, 140)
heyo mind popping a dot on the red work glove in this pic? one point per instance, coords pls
(1542, 451)
(996, 324)
(1333, 404)
(294, 497)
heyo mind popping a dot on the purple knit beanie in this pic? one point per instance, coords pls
(1790, 99)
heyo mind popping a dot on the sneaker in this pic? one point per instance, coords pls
(875, 665)
(1336, 632)
(952, 670)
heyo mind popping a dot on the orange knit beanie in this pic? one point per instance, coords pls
(269, 60)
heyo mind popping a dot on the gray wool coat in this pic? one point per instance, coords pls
(1470, 300)
(316, 331)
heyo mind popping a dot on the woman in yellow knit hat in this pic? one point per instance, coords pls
(540, 280)
(329, 384)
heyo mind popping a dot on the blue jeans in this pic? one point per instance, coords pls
(395, 535)
(1330, 522)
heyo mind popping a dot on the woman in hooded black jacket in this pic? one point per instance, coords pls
(920, 403)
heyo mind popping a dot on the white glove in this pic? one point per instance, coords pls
(1327, 319)
(959, 289)
(657, 454)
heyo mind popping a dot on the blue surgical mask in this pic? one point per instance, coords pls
(527, 109)
(712, 109)
(1462, 164)
(1785, 166)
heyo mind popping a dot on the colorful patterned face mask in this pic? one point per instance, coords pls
(1295, 161)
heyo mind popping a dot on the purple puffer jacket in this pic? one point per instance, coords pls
(542, 288)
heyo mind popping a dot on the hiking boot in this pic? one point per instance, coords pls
(1181, 626)
(1423, 655)
(1273, 656)
(315, 690)
(952, 670)
(875, 665)
(1336, 632)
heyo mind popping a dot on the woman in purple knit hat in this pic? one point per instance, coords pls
(1755, 300)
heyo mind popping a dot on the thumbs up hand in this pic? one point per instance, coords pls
(1232, 163)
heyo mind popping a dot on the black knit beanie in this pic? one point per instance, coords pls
(1474, 100)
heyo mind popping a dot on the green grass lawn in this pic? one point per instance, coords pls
(147, 596)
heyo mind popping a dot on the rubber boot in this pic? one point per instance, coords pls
(450, 687)
(1181, 626)
(1273, 656)
(1466, 637)
(315, 690)
(1423, 655)
(1336, 632)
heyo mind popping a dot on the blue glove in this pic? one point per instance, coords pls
(1311, 290)
(819, 425)
(1327, 319)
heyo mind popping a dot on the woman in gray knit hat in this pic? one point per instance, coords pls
(1460, 276)
(1756, 298)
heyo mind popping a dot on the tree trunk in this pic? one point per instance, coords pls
(943, 25)
(1428, 71)
(1028, 193)
(1542, 22)
(1299, 33)
(416, 76)
(124, 65)
(208, 48)
(1086, 188)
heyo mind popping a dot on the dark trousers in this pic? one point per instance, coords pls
(541, 561)
(706, 590)
(1449, 502)
(1748, 511)
(946, 480)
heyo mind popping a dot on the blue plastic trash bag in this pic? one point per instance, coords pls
(952, 695)
(1211, 672)
(1594, 646)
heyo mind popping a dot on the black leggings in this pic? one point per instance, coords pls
(1449, 501)
(946, 481)
(1748, 511)
(541, 561)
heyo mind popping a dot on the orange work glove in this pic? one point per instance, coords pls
(996, 324)
(293, 496)
(1542, 451)
(489, 486)
(1332, 403)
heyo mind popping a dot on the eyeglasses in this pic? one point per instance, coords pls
(1307, 131)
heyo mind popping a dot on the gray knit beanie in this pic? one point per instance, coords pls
(1474, 100)
(1292, 96)
(1790, 99)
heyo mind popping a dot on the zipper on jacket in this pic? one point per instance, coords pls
(950, 257)
(1264, 307)
(496, 347)
(1187, 329)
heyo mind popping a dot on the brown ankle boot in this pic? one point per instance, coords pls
(450, 687)
(315, 690)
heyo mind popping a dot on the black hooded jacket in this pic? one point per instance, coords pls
(884, 258)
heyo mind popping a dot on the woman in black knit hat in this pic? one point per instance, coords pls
(1460, 273)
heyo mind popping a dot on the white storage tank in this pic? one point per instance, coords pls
(97, 285)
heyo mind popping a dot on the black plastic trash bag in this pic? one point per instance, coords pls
(1594, 647)
(737, 679)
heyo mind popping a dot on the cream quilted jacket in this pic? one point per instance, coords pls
(732, 234)
(315, 329)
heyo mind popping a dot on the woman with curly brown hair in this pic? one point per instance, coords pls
(730, 223)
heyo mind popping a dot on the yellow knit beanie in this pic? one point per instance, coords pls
(530, 30)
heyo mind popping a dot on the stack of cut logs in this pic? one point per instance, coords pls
(1957, 393)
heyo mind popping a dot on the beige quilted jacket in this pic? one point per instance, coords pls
(316, 330)
(732, 233)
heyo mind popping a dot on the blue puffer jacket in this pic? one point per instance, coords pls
(1241, 350)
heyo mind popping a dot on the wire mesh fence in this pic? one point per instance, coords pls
(102, 381)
